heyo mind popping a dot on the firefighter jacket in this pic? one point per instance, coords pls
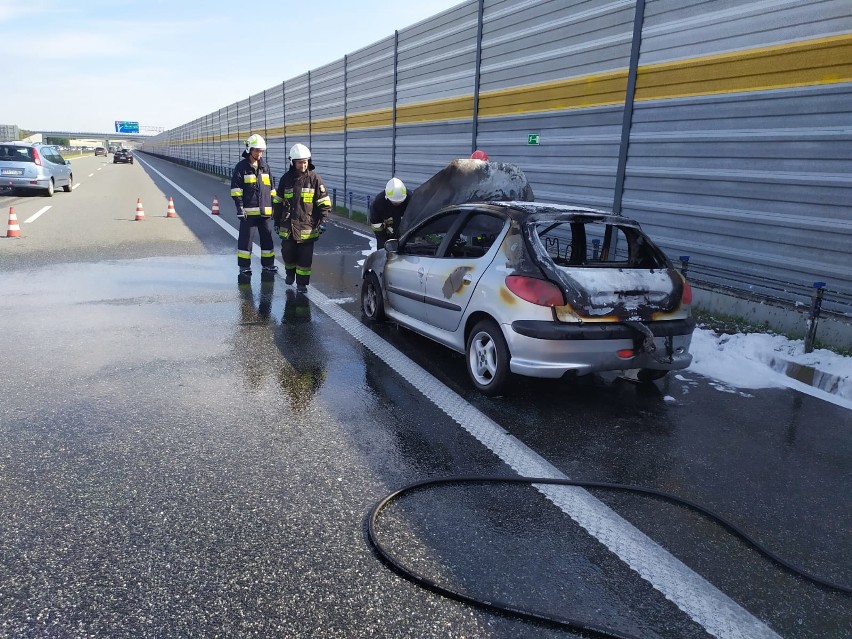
(302, 204)
(384, 216)
(252, 188)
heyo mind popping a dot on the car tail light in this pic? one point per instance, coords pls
(36, 157)
(535, 291)
(625, 353)
(687, 294)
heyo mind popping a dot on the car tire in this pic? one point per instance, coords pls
(50, 189)
(67, 187)
(487, 356)
(372, 303)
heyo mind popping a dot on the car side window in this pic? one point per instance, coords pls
(50, 153)
(476, 236)
(427, 239)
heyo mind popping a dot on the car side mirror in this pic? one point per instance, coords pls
(392, 246)
(68, 162)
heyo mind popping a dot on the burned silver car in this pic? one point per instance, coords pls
(542, 290)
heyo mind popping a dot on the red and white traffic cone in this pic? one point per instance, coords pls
(170, 212)
(215, 209)
(14, 229)
(140, 212)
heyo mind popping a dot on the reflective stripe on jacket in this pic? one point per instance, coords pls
(304, 205)
(252, 188)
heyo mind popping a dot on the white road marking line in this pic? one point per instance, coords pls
(717, 613)
(90, 174)
(36, 214)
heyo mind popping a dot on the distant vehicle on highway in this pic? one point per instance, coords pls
(36, 167)
(123, 156)
(99, 150)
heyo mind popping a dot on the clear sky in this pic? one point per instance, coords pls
(83, 64)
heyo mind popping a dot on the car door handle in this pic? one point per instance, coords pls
(420, 272)
(467, 279)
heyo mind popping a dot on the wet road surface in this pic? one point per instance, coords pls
(188, 455)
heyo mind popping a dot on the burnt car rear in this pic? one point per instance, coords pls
(541, 290)
(623, 304)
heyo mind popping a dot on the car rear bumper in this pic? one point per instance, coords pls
(8, 183)
(549, 349)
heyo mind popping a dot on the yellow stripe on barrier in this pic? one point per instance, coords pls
(329, 125)
(601, 89)
(370, 119)
(460, 108)
(799, 64)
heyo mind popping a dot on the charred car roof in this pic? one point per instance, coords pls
(522, 212)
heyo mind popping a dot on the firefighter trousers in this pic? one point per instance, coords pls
(298, 257)
(244, 241)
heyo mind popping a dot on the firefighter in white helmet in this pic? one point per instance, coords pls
(253, 190)
(386, 211)
(301, 210)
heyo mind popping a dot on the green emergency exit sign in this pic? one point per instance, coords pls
(533, 138)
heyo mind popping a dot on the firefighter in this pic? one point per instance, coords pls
(386, 211)
(253, 189)
(301, 210)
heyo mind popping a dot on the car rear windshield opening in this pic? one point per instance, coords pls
(12, 153)
(597, 245)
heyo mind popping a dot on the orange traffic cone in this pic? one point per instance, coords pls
(170, 212)
(14, 230)
(215, 209)
(140, 212)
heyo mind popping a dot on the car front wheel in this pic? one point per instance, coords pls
(488, 357)
(67, 187)
(372, 304)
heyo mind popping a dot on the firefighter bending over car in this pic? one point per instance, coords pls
(386, 211)
(253, 191)
(301, 209)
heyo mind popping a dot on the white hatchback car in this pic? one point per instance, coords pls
(33, 167)
(543, 290)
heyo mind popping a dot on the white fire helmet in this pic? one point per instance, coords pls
(300, 152)
(395, 191)
(255, 141)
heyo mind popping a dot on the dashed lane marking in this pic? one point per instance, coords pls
(37, 214)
